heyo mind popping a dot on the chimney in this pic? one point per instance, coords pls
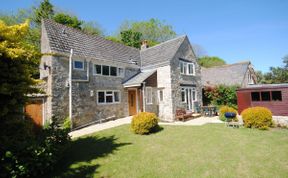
(144, 44)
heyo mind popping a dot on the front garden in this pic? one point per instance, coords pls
(178, 151)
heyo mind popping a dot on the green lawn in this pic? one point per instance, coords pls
(178, 151)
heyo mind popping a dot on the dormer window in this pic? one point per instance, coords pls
(187, 68)
(78, 65)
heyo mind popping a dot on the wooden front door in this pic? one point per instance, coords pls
(34, 110)
(132, 102)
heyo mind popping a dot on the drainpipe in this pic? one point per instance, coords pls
(70, 87)
(144, 97)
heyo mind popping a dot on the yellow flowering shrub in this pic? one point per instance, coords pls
(144, 123)
(257, 117)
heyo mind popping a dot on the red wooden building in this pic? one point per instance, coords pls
(271, 96)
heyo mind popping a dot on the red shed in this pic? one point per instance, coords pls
(271, 96)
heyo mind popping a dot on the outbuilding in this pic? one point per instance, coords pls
(271, 96)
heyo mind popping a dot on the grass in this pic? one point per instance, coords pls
(178, 151)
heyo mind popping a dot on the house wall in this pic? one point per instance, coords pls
(84, 94)
(185, 51)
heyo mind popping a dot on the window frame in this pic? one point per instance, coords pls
(74, 67)
(149, 100)
(184, 68)
(106, 94)
(118, 73)
(272, 98)
(183, 91)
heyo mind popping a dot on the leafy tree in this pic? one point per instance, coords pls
(131, 38)
(92, 28)
(277, 74)
(44, 11)
(212, 61)
(65, 19)
(17, 60)
(152, 30)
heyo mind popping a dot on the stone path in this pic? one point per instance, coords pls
(98, 127)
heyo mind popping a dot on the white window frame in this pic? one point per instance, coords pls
(193, 68)
(74, 67)
(105, 94)
(184, 67)
(149, 100)
(183, 90)
(118, 74)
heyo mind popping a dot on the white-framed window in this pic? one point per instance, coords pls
(149, 95)
(160, 95)
(183, 95)
(108, 97)
(78, 65)
(106, 70)
(187, 68)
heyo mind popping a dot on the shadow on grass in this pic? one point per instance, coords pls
(156, 129)
(81, 154)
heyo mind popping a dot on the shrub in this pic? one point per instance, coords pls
(27, 154)
(223, 110)
(257, 117)
(144, 123)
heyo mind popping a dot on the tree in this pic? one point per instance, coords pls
(17, 58)
(65, 19)
(44, 11)
(277, 74)
(212, 61)
(285, 61)
(152, 30)
(114, 39)
(131, 38)
(92, 28)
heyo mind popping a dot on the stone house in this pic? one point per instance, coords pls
(241, 74)
(111, 80)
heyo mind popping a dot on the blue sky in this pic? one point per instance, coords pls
(255, 30)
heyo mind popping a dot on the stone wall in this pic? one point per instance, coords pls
(84, 94)
(185, 52)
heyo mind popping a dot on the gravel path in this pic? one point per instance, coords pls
(98, 127)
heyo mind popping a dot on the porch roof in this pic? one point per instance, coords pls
(138, 79)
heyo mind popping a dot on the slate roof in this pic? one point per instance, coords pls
(232, 74)
(62, 38)
(139, 78)
(161, 53)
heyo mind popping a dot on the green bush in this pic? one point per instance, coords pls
(30, 152)
(257, 117)
(144, 123)
(223, 110)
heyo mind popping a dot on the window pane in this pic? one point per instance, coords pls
(276, 96)
(116, 96)
(98, 69)
(265, 96)
(78, 65)
(109, 92)
(183, 96)
(185, 68)
(190, 69)
(109, 99)
(101, 97)
(194, 95)
(255, 96)
(113, 71)
(105, 70)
